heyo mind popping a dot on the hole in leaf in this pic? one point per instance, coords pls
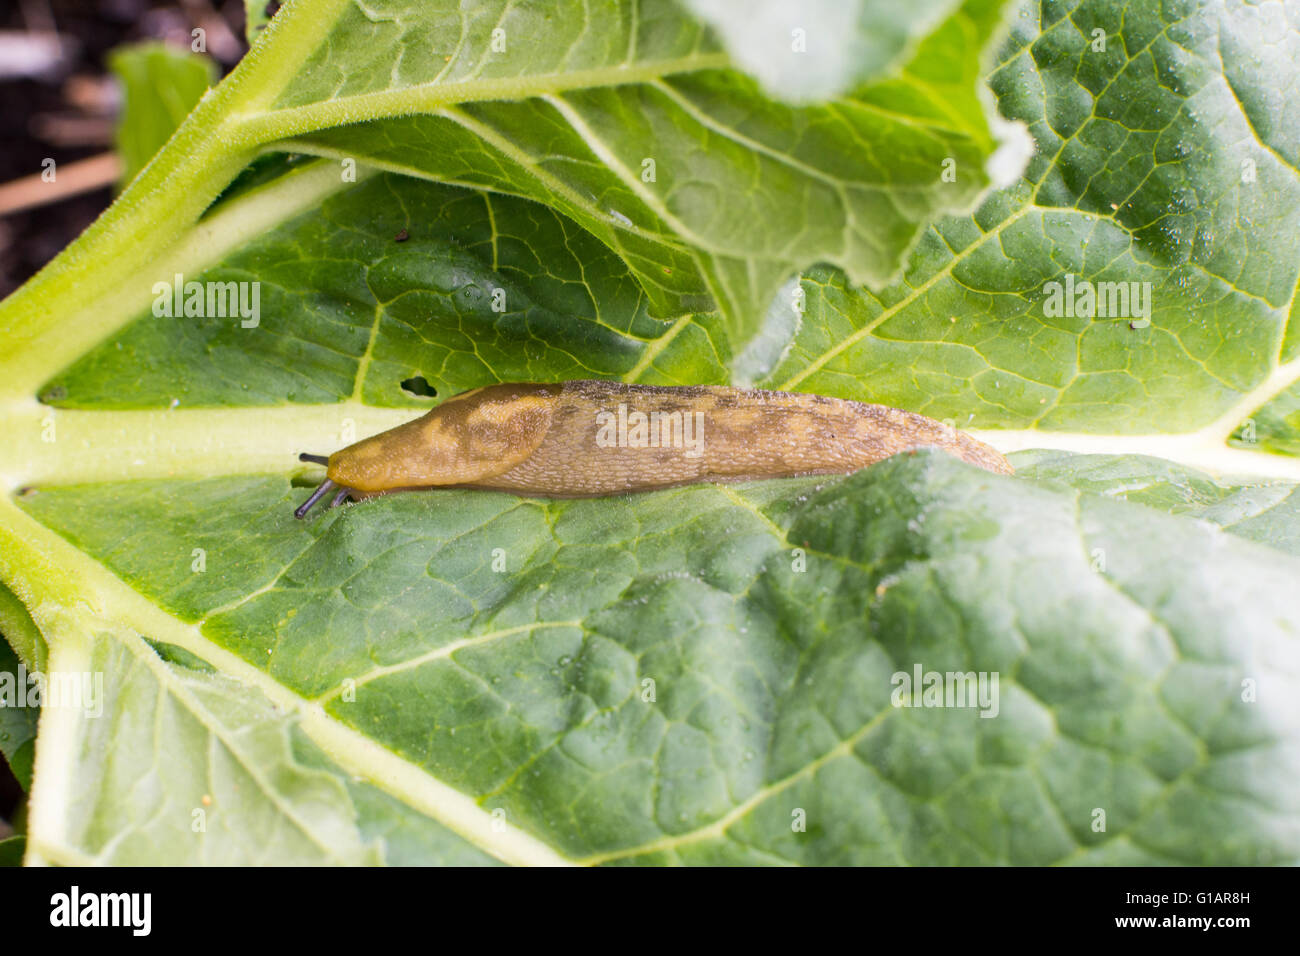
(419, 385)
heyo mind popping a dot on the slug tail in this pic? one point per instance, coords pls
(975, 452)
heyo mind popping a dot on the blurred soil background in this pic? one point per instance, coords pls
(58, 101)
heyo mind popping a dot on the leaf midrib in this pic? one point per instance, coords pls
(434, 96)
(178, 443)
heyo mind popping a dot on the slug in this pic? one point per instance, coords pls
(592, 438)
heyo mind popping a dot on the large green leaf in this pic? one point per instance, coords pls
(567, 100)
(709, 192)
(1169, 157)
(701, 675)
(666, 678)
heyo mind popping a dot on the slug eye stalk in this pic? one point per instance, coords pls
(322, 489)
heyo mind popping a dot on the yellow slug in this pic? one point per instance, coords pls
(590, 438)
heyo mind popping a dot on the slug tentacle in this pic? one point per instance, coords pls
(314, 459)
(592, 438)
(321, 491)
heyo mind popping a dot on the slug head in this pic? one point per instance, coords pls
(469, 437)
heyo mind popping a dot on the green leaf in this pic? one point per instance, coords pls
(11, 851)
(627, 120)
(1267, 512)
(22, 651)
(160, 85)
(17, 723)
(1274, 426)
(565, 104)
(1169, 157)
(374, 685)
(240, 782)
(353, 316)
(389, 641)
(22, 636)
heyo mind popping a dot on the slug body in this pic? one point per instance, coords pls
(592, 438)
